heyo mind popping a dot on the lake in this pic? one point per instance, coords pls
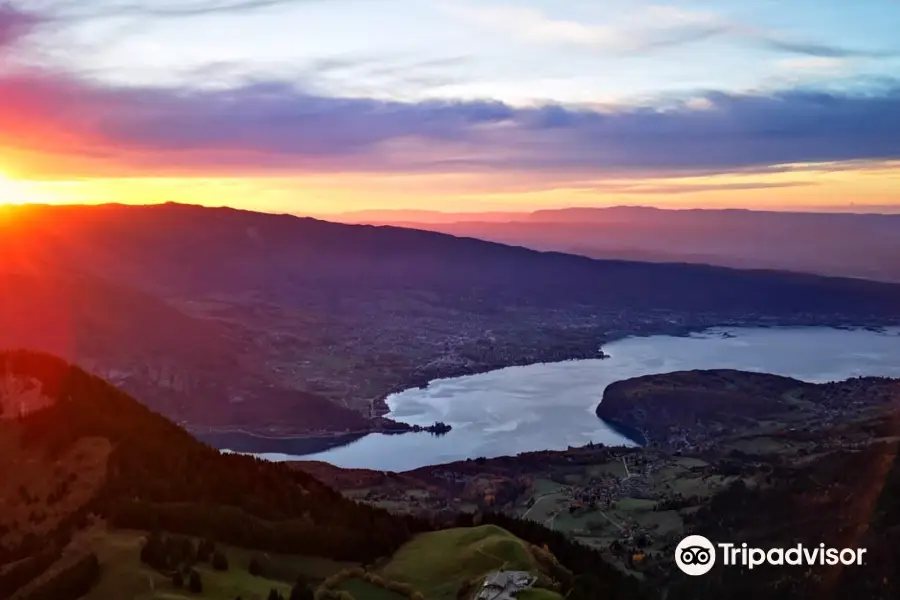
(551, 406)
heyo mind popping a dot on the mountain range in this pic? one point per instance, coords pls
(234, 320)
(845, 244)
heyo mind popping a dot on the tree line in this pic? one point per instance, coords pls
(160, 476)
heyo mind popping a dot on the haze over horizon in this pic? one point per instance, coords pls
(331, 106)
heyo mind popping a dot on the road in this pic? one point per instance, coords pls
(536, 502)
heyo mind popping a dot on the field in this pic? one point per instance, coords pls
(631, 510)
(538, 594)
(761, 444)
(124, 576)
(363, 590)
(438, 563)
(549, 499)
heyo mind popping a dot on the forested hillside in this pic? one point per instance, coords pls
(87, 461)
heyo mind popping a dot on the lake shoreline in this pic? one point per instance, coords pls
(437, 428)
(496, 414)
(382, 408)
(382, 422)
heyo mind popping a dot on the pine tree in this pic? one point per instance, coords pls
(154, 552)
(219, 561)
(205, 549)
(301, 590)
(255, 568)
(196, 584)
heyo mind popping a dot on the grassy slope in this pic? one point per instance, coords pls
(363, 590)
(538, 594)
(439, 563)
(124, 576)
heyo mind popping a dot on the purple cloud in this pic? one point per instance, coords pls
(276, 126)
(14, 24)
(160, 9)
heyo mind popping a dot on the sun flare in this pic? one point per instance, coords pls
(15, 192)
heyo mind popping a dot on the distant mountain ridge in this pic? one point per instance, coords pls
(182, 248)
(601, 214)
(830, 243)
(234, 320)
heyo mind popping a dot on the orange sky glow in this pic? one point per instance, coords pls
(869, 187)
(539, 105)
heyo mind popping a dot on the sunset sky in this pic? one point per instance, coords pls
(323, 106)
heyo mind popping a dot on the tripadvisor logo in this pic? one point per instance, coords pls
(696, 555)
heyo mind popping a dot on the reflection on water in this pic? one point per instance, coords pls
(241, 442)
(551, 406)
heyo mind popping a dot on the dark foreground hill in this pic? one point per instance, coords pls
(151, 472)
(103, 499)
(238, 320)
(88, 472)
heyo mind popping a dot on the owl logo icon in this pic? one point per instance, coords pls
(695, 555)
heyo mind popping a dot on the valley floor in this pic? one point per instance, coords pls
(636, 504)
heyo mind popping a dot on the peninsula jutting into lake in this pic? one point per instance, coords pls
(552, 406)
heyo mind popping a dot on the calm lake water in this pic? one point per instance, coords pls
(551, 406)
